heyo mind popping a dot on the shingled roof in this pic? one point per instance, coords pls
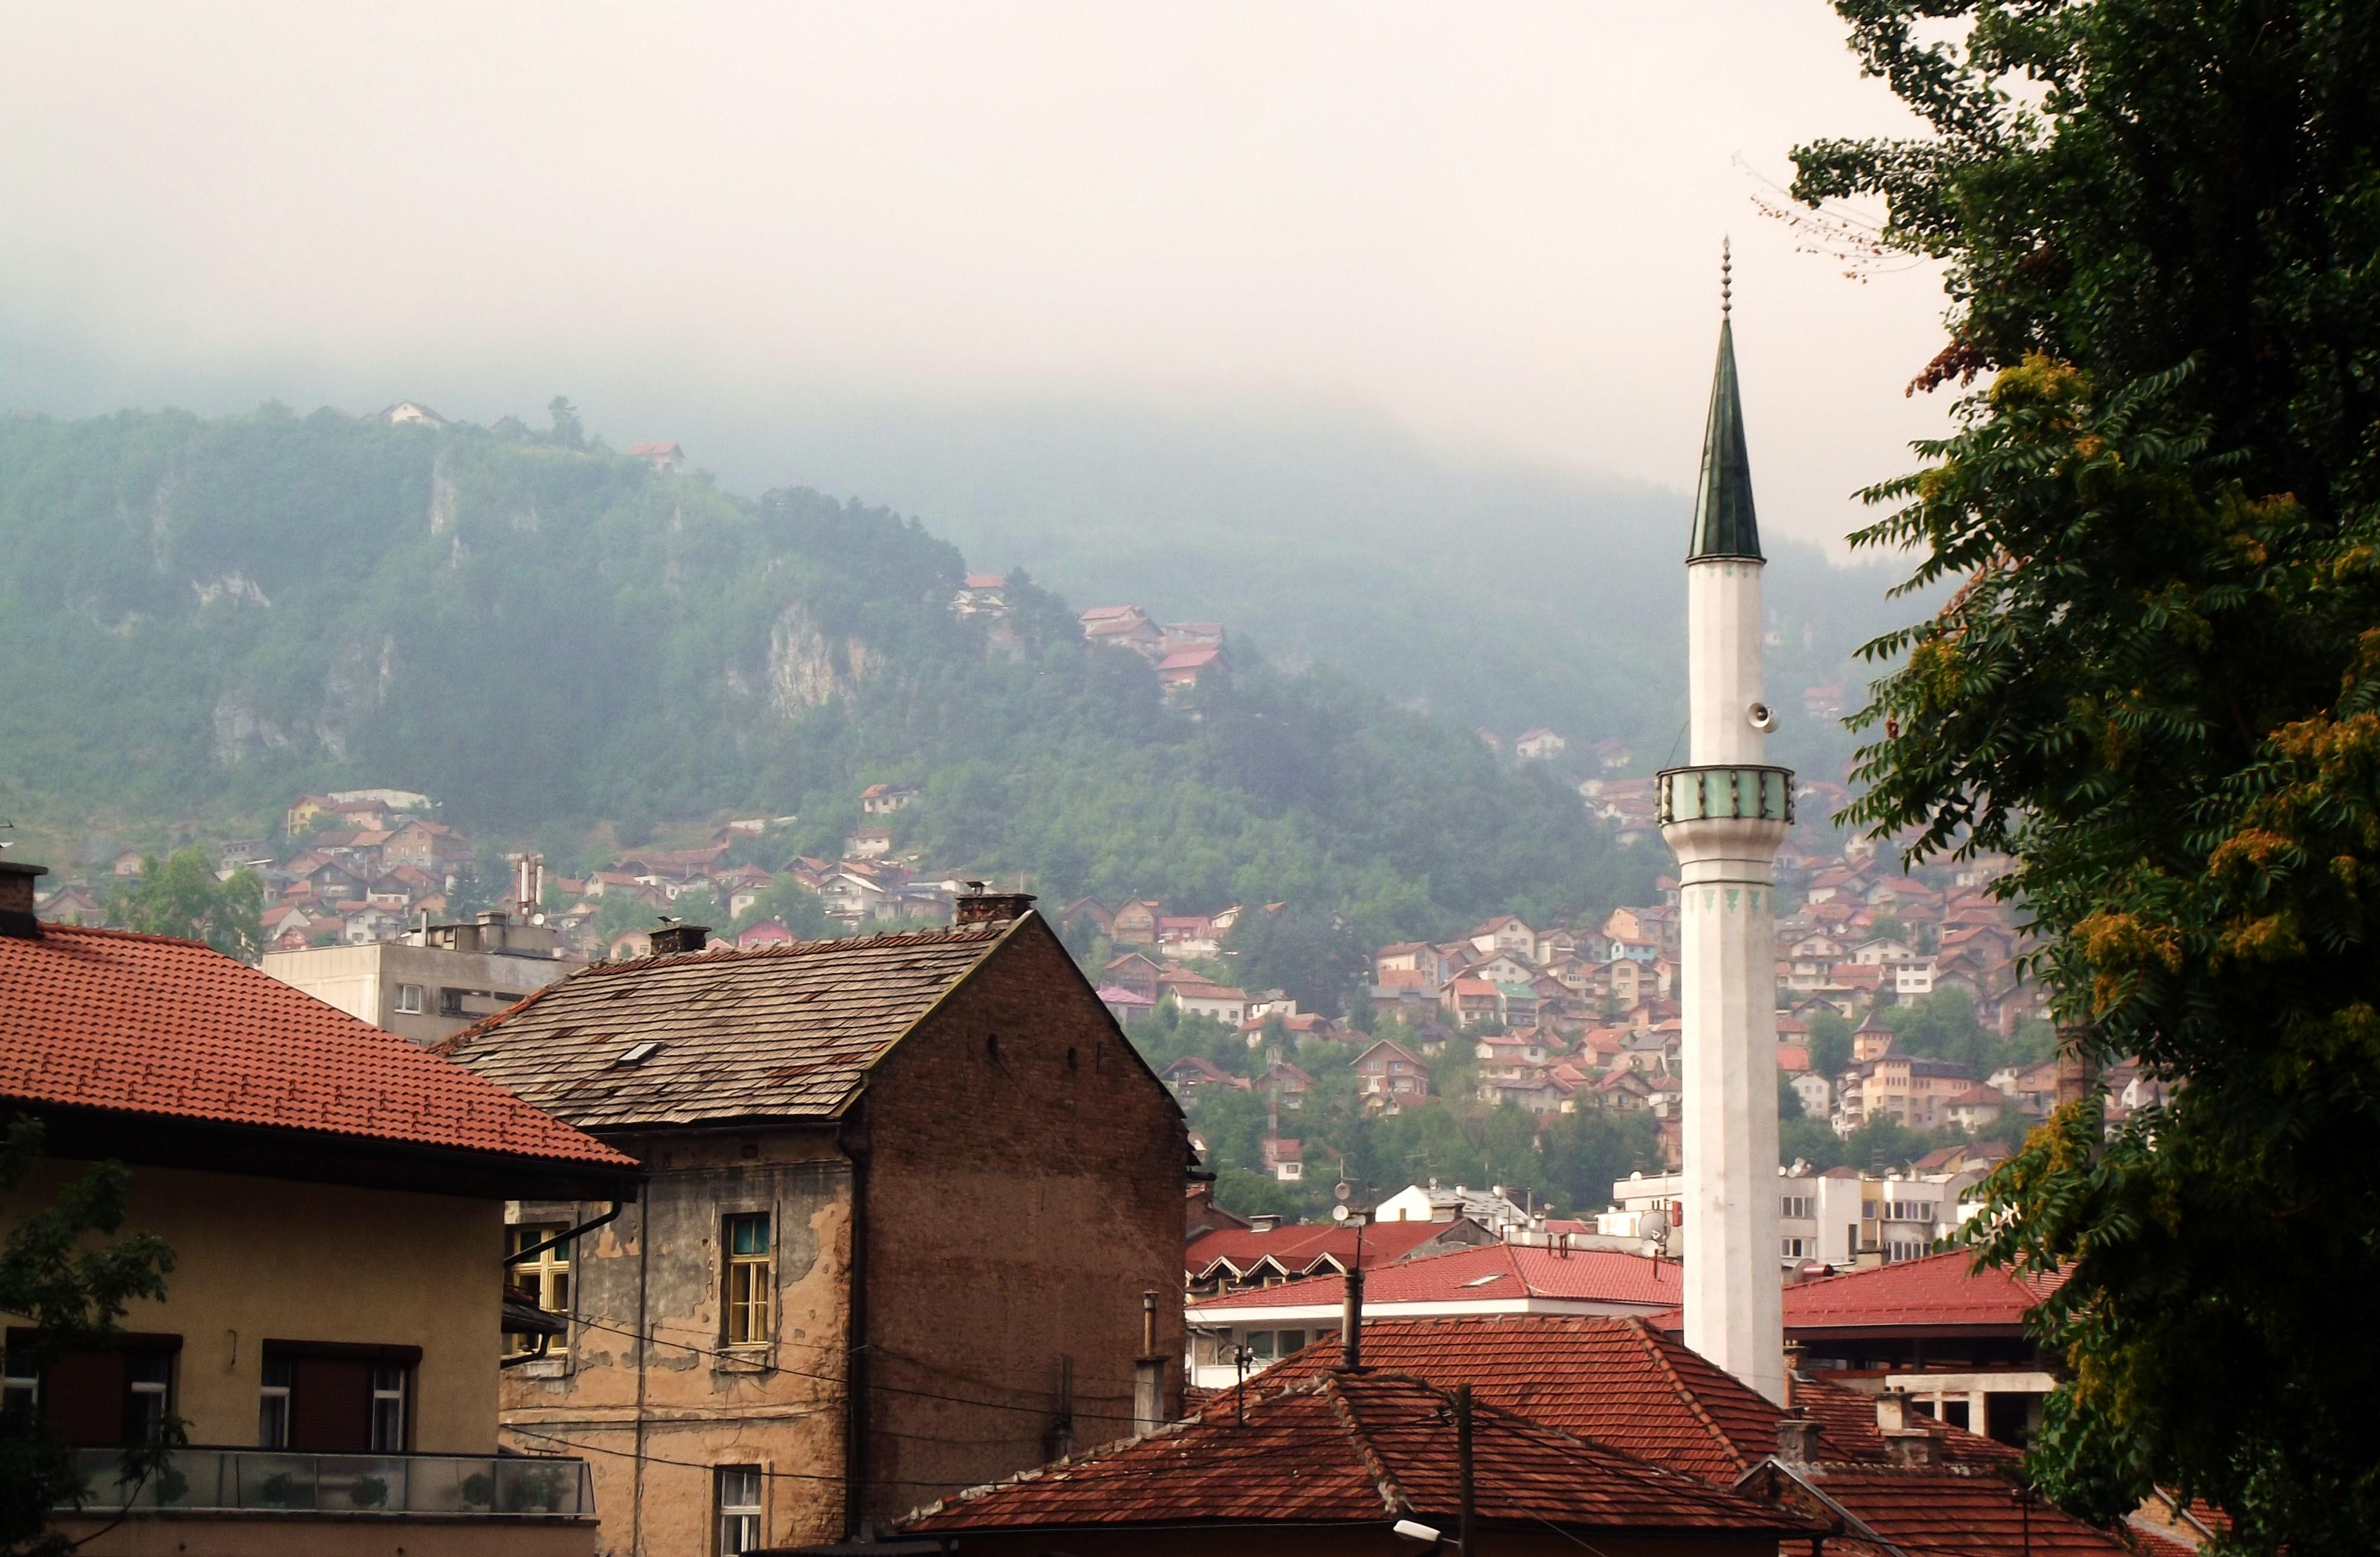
(1362, 1448)
(162, 1028)
(778, 1032)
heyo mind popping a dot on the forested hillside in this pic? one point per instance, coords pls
(201, 618)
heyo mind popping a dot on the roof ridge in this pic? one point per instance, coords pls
(1384, 1480)
(1693, 1402)
(50, 927)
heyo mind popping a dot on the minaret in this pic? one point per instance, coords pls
(1724, 817)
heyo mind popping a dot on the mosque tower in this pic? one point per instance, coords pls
(1724, 816)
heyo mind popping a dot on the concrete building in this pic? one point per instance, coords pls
(1724, 817)
(909, 1194)
(333, 1197)
(435, 983)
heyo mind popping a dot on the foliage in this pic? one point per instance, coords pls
(1942, 1025)
(209, 614)
(1313, 957)
(1831, 1043)
(56, 1272)
(180, 896)
(2159, 687)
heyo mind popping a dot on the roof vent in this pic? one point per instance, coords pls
(17, 899)
(638, 1054)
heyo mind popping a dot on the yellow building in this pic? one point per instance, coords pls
(330, 1340)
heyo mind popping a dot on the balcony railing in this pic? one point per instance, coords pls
(269, 1480)
(1703, 793)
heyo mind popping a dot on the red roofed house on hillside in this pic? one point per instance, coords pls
(880, 1166)
(335, 1198)
(1330, 1463)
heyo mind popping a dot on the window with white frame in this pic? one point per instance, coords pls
(1795, 1206)
(272, 1404)
(1797, 1248)
(739, 1510)
(21, 1382)
(148, 1390)
(409, 1000)
(1900, 1249)
(388, 1409)
(1909, 1210)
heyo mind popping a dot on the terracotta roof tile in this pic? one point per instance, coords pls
(1298, 1249)
(1936, 1289)
(1949, 1511)
(776, 1031)
(1496, 1272)
(145, 1024)
(1620, 1381)
(1359, 1447)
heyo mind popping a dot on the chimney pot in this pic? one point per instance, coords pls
(1892, 1411)
(17, 899)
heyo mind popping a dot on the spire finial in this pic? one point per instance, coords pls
(1726, 280)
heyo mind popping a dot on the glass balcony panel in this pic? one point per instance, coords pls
(269, 1481)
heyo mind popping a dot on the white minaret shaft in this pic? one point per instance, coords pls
(1725, 816)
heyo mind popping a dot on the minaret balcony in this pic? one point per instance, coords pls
(1725, 792)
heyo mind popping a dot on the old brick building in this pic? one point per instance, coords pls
(907, 1192)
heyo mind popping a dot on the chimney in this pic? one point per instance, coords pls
(988, 907)
(1797, 1440)
(1892, 1411)
(672, 938)
(1147, 1374)
(1351, 1323)
(1263, 1221)
(16, 900)
(1906, 1441)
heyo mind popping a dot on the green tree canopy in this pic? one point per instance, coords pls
(181, 896)
(2159, 687)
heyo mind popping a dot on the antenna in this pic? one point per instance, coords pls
(1726, 279)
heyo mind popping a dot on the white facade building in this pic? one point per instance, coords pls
(1724, 818)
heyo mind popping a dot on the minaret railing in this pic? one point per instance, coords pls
(1742, 791)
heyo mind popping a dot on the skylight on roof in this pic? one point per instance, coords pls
(1483, 1281)
(638, 1054)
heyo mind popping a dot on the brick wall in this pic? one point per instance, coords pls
(1024, 1173)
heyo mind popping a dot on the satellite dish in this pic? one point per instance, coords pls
(1344, 1192)
(1339, 1213)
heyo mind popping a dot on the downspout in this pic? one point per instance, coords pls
(644, 1348)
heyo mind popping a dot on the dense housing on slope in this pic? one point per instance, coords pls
(907, 1192)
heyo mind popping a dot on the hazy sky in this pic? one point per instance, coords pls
(1497, 224)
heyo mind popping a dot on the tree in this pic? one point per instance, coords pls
(2157, 685)
(568, 431)
(180, 896)
(56, 1272)
(1313, 957)
(1831, 1043)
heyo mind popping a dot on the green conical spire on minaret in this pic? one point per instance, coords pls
(1724, 526)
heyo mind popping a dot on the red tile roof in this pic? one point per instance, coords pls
(1939, 1289)
(144, 1024)
(1495, 1273)
(1299, 1249)
(1365, 1447)
(1950, 1510)
(1620, 1381)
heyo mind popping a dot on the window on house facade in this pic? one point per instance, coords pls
(388, 1409)
(97, 1398)
(1900, 1249)
(746, 1243)
(20, 1384)
(738, 1498)
(272, 1404)
(546, 1276)
(1795, 1206)
(1796, 1248)
(409, 1000)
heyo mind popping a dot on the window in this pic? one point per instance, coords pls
(546, 1276)
(409, 1000)
(1909, 1210)
(1288, 1340)
(450, 1002)
(748, 1280)
(1900, 1249)
(273, 1405)
(1795, 1206)
(148, 1380)
(1797, 1248)
(1261, 1345)
(739, 1510)
(388, 1409)
(20, 1384)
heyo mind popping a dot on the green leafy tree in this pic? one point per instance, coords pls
(1312, 957)
(68, 1267)
(793, 904)
(1831, 1043)
(181, 896)
(2159, 687)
